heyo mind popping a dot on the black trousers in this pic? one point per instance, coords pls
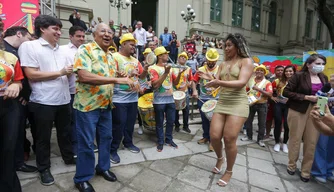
(9, 129)
(23, 144)
(44, 116)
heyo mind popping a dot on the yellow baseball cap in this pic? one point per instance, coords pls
(184, 54)
(147, 50)
(160, 50)
(263, 68)
(212, 55)
(127, 37)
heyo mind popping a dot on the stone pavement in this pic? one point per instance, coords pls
(186, 169)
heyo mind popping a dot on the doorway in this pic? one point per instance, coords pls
(145, 11)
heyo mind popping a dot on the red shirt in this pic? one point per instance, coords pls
(190, 48)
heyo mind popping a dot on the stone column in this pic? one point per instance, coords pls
(198, 11)
(206, 12)
(247, 15)
(301, 21)
(278, 23)
(265, 23)
(294, 21)
(314, 25)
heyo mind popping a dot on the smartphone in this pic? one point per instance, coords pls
(321, 103)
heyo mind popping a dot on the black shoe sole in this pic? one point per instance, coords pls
(46, 184)
(101, 174)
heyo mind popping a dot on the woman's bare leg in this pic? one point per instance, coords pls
(216, 134)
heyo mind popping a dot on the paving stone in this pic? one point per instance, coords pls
(127, 157)
(241, 160)
(240, 173)
(102, 185)
(196, 148)
(183, 136)
(262, 165)
(271, 182)
(260, 154)
(184, 159)
(242, 150)
(241, 143)
(167, 152)
(126, 172)
(27, 181)
(232, 186)
(282, 159)
(146, 163)
(37, 186)
(127, 189)
(196, 138)
(65, 181)
(178, 186)
(150, 181)
(281, 169)
(255, 189)
(194, 129)
(291, 187)
(204, 162)
(169, 167)
(195, 176)
(177, 141)
(145, 144)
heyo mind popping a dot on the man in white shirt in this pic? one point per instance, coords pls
(44, 65)
(140, 35)
(77, 38)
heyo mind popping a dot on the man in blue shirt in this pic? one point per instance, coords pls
(165, 38)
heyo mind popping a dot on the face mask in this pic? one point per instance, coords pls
(318, 68)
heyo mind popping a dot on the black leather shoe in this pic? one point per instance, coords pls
(107, 175)
(71, 162)
(186, 129)
(177, 128)
(304, 179)
(84, 187)
(290, 172)
(46, 178)
(27, 168)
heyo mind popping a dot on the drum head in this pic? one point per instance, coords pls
(151, 58)
(178, 95)
(146, 101)
(209, 106)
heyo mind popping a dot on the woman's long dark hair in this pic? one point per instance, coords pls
(284, 79)
(240, 43)
(311, 59)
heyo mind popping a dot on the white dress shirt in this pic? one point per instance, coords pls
(140, 35)
(69, 52)
(41, 55)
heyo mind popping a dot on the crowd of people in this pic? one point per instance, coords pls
(89, 92)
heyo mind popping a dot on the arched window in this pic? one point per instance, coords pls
(272, 18)
(308, 23)
(319, 25)
(216, 10)
(256, 15)
(237, 12)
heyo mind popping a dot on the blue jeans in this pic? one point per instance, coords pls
(160, 111)
(185, 114)
(261, 110)
(205, 121)
(124, 119)
(74, 133)
(87, 124)
(323, 164)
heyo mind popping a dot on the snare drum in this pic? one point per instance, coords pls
(146, 111)
(180, 100)
(208, 108)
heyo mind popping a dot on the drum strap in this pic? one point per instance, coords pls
(260, 86)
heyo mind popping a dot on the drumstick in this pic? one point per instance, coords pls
(201, 100)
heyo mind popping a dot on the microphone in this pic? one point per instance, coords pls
(324, 90)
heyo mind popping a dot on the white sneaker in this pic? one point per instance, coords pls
(245, 138)
(261, 143)
(140, 130)
(285, 148)
(320, 179)
(245, 132)
(277, 147)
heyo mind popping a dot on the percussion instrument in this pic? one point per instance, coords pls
(208, 108)
(151, 59)
(252, 99)
(146, 111)
(180, 100)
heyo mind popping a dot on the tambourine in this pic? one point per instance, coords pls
(151, 59)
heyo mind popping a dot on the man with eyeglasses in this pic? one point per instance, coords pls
(96, 70)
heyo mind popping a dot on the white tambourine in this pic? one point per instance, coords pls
(151, 58)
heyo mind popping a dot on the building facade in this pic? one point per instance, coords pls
(272, 27)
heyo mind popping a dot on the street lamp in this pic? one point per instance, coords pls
(189, 16)
(119, 4)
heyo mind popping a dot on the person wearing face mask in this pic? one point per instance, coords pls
(300, 91)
